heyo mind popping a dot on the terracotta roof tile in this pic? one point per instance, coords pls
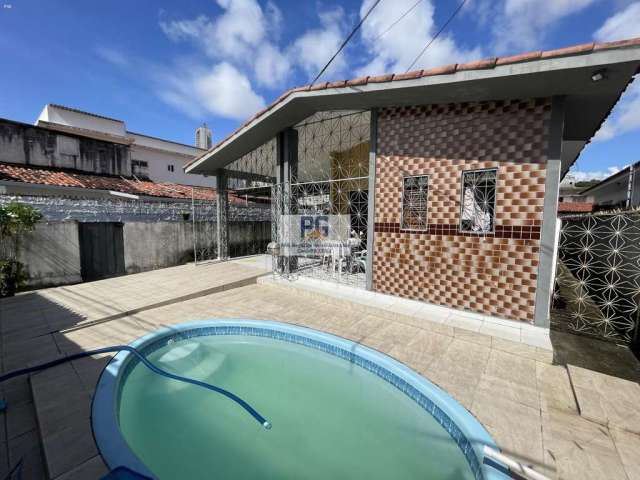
(575, 207)
(521, 57)
(381, 78)
(319, 86)
(64, 178)
(408, 75)
(631, 42)
(561, 52)
(357, 81)
(338, 84)
(444, 70)
(478, 64)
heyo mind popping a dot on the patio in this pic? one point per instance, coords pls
(566, 421)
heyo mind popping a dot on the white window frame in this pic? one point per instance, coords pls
(495, 195)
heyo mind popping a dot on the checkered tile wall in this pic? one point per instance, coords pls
(494, 273)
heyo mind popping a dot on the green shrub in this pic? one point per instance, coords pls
(16, 219)
(13, 276)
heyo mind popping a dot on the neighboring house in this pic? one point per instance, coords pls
(67, 138)
(570, 189)
(620, 190)
(463, 166)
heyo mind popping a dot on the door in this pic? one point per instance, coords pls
(101, 250)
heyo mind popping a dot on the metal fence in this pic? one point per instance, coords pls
(597, 290)
(333, 244)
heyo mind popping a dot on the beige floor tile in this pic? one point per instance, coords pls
(628, 446)
(607, 400)
(20, 419)
(507, 390)
(471, 336)
(515, 348)
(27, 447)
(512, 368)
(89, 470)
(579, 449)
(555, 388)
(70, 447)
(514, 426)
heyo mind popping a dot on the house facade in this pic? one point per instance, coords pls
(462, 166)
(68, 138)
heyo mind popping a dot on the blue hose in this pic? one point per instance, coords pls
(117, 348)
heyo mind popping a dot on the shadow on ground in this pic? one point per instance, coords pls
(594, 354)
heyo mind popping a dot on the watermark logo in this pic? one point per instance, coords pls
(314, 233)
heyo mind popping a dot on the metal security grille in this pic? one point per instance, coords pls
(333, 145)
(478, 203)
(205, 230)
(415, 193)
(339, 255)
(320, 215)
(597, 289)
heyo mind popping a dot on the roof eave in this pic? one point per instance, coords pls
(386, 91)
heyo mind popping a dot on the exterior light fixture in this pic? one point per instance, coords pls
(598, 75)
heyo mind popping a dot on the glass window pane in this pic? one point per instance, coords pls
(478, 202)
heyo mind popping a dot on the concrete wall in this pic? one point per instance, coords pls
(158, 162)
(29, 145)
(148, 246)
(52, 254)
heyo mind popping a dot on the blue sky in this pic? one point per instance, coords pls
(164, 67)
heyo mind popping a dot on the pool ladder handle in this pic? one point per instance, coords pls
(514, 466)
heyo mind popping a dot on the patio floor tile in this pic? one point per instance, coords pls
(555, 388)
(580, 449)
(69, 447)
(628, 446)
(607, 400)
(92, 468)
(514, 426)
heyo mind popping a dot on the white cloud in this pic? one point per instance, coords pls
(395, 50)
(233, 34)
(314, 48)
(113, 56)
(624, 24)
(221, 90)
(522, 24)
(625, 117)
(583, 176)
(271, 66)
(243, 34)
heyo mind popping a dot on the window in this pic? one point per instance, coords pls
(170, 168)
(415, 190)
(478, 202)
(140, 168)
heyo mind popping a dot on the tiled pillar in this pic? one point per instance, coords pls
(371, 198)
(287, 172)
(222, 215)
(548, 237)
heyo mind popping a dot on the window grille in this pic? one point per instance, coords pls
(415, 192)
(478, 202)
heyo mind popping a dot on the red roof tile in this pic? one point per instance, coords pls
(443, 70)
(64, 178)
(575, 207)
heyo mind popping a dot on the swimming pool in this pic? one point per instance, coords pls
(338, 409)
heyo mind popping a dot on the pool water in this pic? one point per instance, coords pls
(331, 419)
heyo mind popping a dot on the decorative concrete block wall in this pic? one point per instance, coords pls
(495, 273)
